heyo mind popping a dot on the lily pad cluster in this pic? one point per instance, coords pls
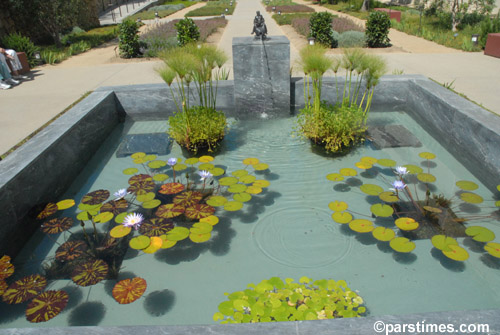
(180, 198)
(277, 300)
(414, 215)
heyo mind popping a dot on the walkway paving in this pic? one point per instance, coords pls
(117, 13)
(28, 106)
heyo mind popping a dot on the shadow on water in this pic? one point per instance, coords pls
(342, 187)
(370, 174)
(187, 251)
(428, 164)
(158, 303)
(427, 186)
(384, 247)
(446, 262)
(9, 313)
(469, 208)
(87, 314)
(75, 296)
(345, 230)
(404, 258)
(366, 239)
(490, 261)
(353, 182)
(258, 204)
(474, 246)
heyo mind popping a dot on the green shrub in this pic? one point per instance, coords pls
(187, 31)
(320, 27)
(352, 39)
(488, 26)
(53, 56)
(377, 29)
(21, 43)
(129, 39)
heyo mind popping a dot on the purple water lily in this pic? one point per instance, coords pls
(398, 185)
(172, 161)
(204, 174)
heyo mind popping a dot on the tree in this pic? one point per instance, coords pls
(458, 8)
(366, 6)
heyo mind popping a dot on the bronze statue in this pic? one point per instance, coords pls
(259, 27)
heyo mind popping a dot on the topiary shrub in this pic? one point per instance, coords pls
(187, 31)
(129, 39)
(320, 26)
(21, 43)
(377, 29)
(352, 39)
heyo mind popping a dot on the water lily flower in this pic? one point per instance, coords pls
(204, 174)
(120, 194)
(133, 220)
(401, 170)
(172, 161)
(398, 185)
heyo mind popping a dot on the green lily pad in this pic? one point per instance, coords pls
(471, 198)
(178, 234)
(157, 164)
(335, 177)
(232, 206)
(406, 224)
(206, 159)
(216, 200)
(160, 177)
(426, 177)
(206, 166)
(427, 155)
(413, 169)
(120, 218)
(83, 216)
(242, 197)
(146, 197)
(217, 171)
(442, 242)
(386, 162)
(201, 228)
(228, 181)
(348, 172)
(253, 189)
(493, 249)
(371, 189)
(248, 179)
(363, 165)
(338, 206)
(138, 155)
(498, 188)
(180, 167)
(250, 161)
(237, 188)
(139, 242)
(456, 253)
(382, 210)
(497, 204)
(369, 160)
(239, 173)
(480, 234)
(466, 185)
(342, 217)
(130, 171)
(388, 196)
(432, 209)
(150, 157)
(120, 231)
(383, 234)
(361, 225)
(103, 217)
(226, 308)
(191, 161)
(261, 166)
(151, 204)
(402, 244)
(199, 238)
(167, 243)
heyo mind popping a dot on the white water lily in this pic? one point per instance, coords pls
(120, 194)
(401, 170)
(133, 220)
(204, 174)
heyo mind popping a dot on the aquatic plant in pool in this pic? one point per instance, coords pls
(415, 216)
(339, 126)
(166, 202)
(275, 300)
(201, 126)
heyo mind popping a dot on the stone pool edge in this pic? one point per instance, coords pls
(361, 326)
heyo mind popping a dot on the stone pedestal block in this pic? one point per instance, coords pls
(261, 76)
(493, 45)
(393, 14)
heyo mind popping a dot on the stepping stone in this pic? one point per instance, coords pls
(153, 143)
(392, 136)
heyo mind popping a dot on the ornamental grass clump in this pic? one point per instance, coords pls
(338, 126)
(201, 126)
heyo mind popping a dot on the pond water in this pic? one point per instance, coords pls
(286, 231)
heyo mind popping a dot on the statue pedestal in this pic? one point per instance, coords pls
(262, 76)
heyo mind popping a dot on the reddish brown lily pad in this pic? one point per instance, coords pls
(171, 188)
(57, 225)
(46, 306)
(24, 289)
(156, 227)
(115, 206)
(96, 197)
(50, 209)
(199, 211)
(169, 211)
(71, 250)
(129, 290)
(90, 273)
(3, 286)
(188, 198)
(139, 179)
(142, 186)
(6, 268)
